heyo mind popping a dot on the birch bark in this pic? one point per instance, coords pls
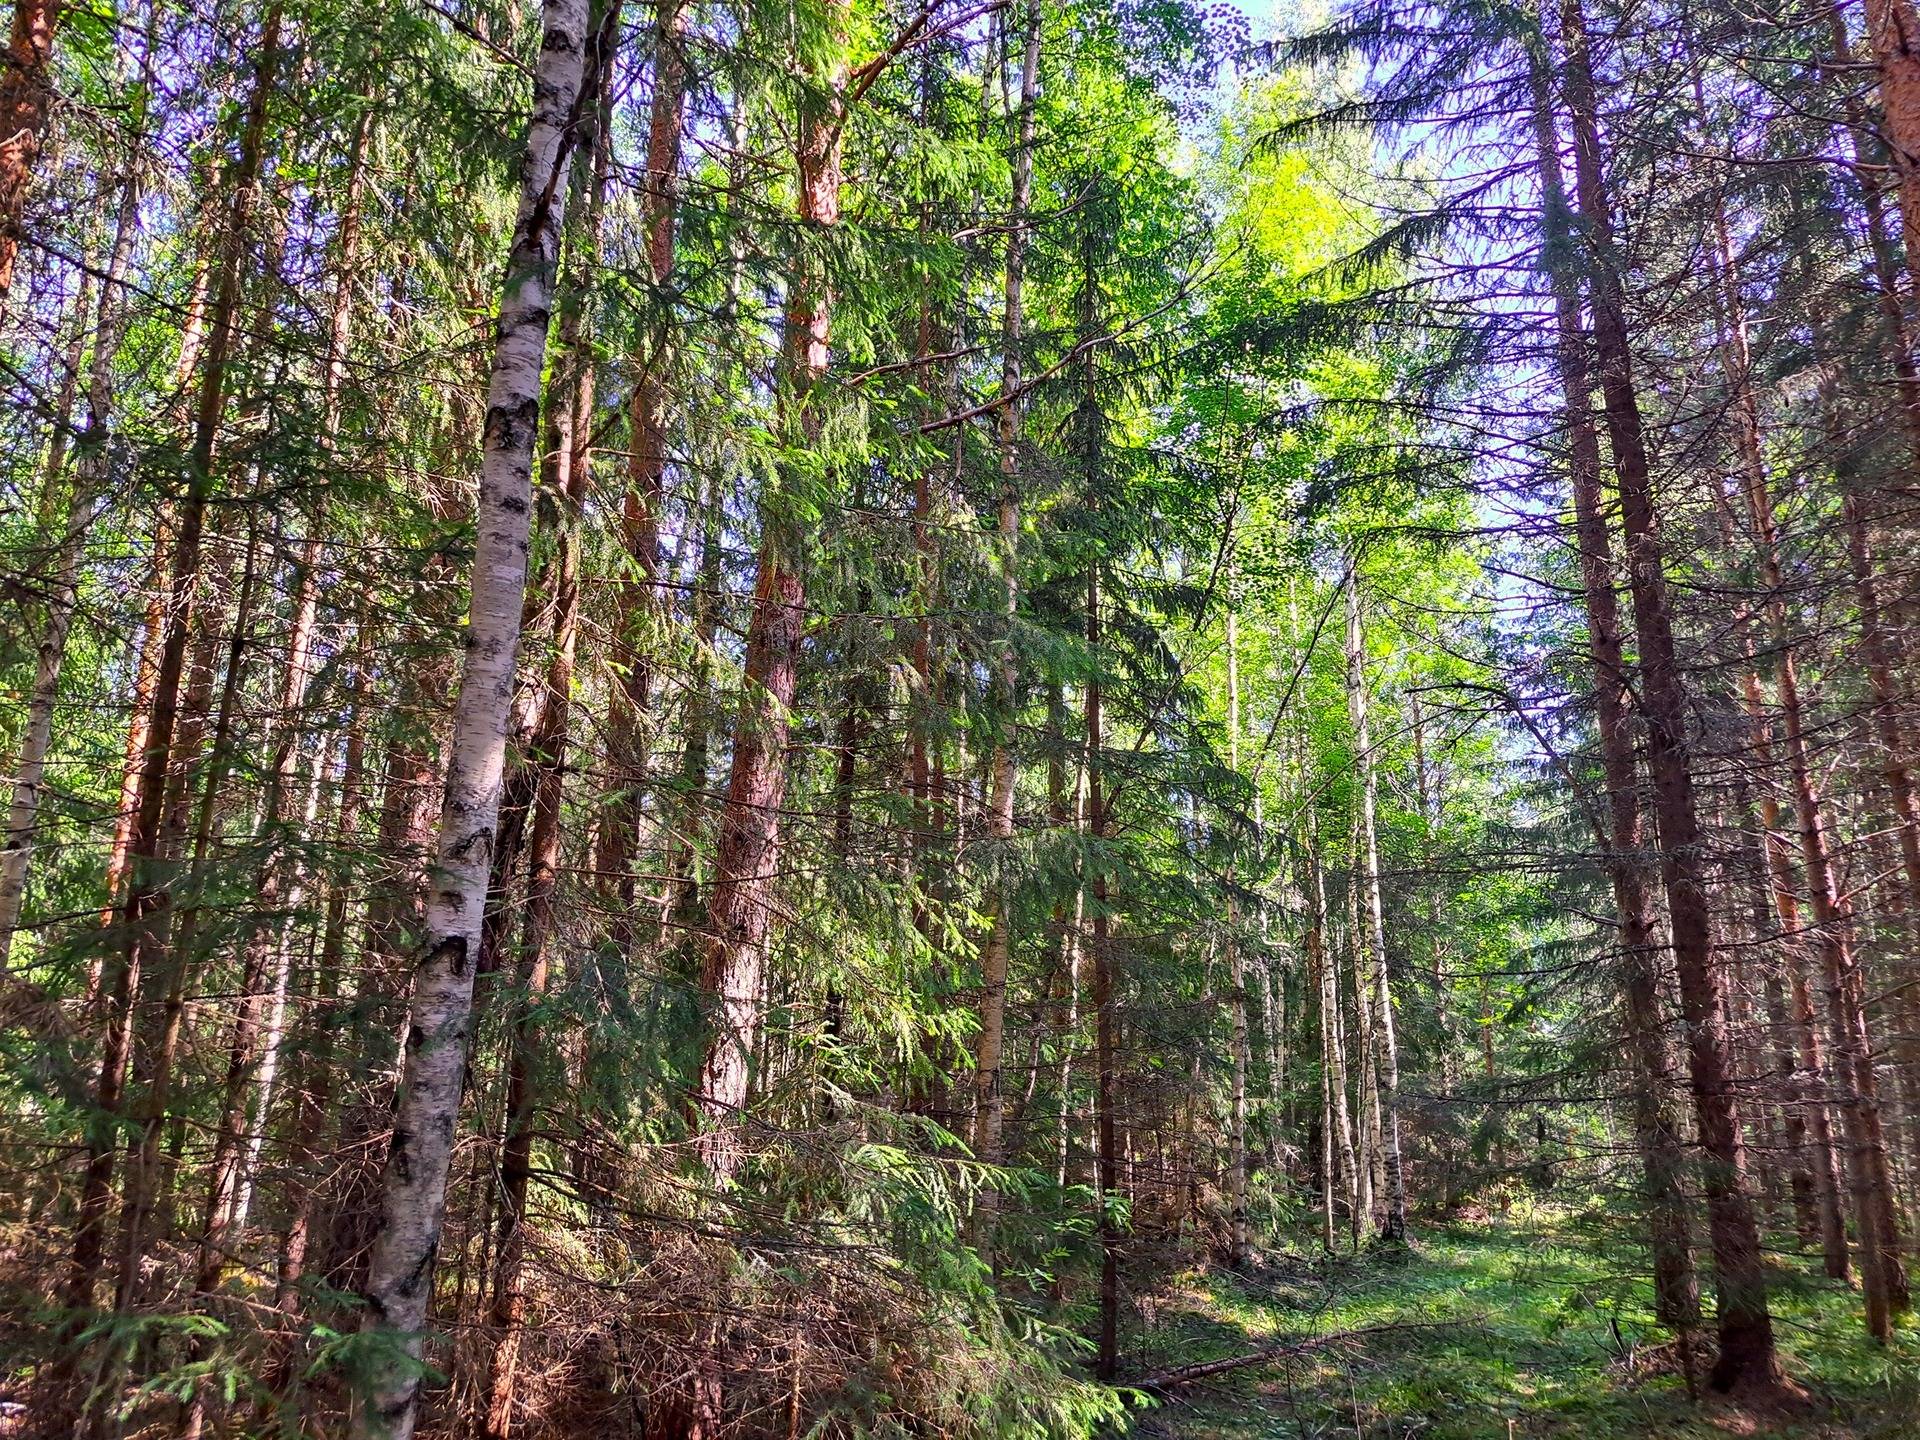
(413, 1203)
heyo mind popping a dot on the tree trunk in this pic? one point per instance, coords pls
(1662, 1150)
(1386, 1047)
(638, 594)
(740, 913)
(1893, 27)
(143, 916)
(1240, 1244)
(1883, 1278)
(1366, 1119)
(1338, 1121)
(1106, 1142)
(315, 1087)
(1746, 1356)
(83, 495)
(989, 1096)
(400, 1277)
(26, 94)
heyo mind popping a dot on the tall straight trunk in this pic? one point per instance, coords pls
(263, 967)
(740, 914)
(315, 1086)
(83, 496)
(638, 593)
(1808, 1079)
(696, 723)
(1877, 653)
(1656, 1131)
(1241, 1247)
(1273, 1009)
(258, 1116)
(161, 1012)
(26, 95)
(1345, 1168)
(1100, 947)
(1883, 1277)
(144, 913)
(1071, 927)
(1746, 1356)
(273, 883)
(1893, 28)
(400, 1274)
(989, 1097)
(549, 750)
(146, 674)
(1386, 1047)
(567, 473)
(1366, 1175)
(1793, 1101)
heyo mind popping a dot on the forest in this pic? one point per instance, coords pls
(998, 719)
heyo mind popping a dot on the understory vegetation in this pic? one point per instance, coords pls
(997, 719)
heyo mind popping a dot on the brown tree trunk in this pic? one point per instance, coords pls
(1100, 947)
(26, 95)
(315, 1086)
(1746, 1356)
(740, 913)
(1883, 1278)
(989, 1097)
(1676, 1293)
(1893, 28)
(143, 915)
(160, 1013)
(638, 595)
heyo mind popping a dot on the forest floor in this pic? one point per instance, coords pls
(1518, 1328)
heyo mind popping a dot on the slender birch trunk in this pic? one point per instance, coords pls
(83, 496)
(399, 1285)
(1386, 1046)
(1366, 1103)
(1241, 1251)
(1346, 1169)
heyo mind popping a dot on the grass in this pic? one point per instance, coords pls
(1531, 1327)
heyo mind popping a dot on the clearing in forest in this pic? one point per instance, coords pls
(1487, 1330)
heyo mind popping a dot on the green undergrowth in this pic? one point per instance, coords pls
(1499, 1329)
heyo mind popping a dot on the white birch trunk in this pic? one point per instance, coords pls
(413, 1200)
(1372, 933)
(1237, 981)
(23, 812)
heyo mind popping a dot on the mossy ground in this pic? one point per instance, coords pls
(1532, 1326)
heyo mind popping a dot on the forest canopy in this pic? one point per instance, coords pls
(977, 718)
